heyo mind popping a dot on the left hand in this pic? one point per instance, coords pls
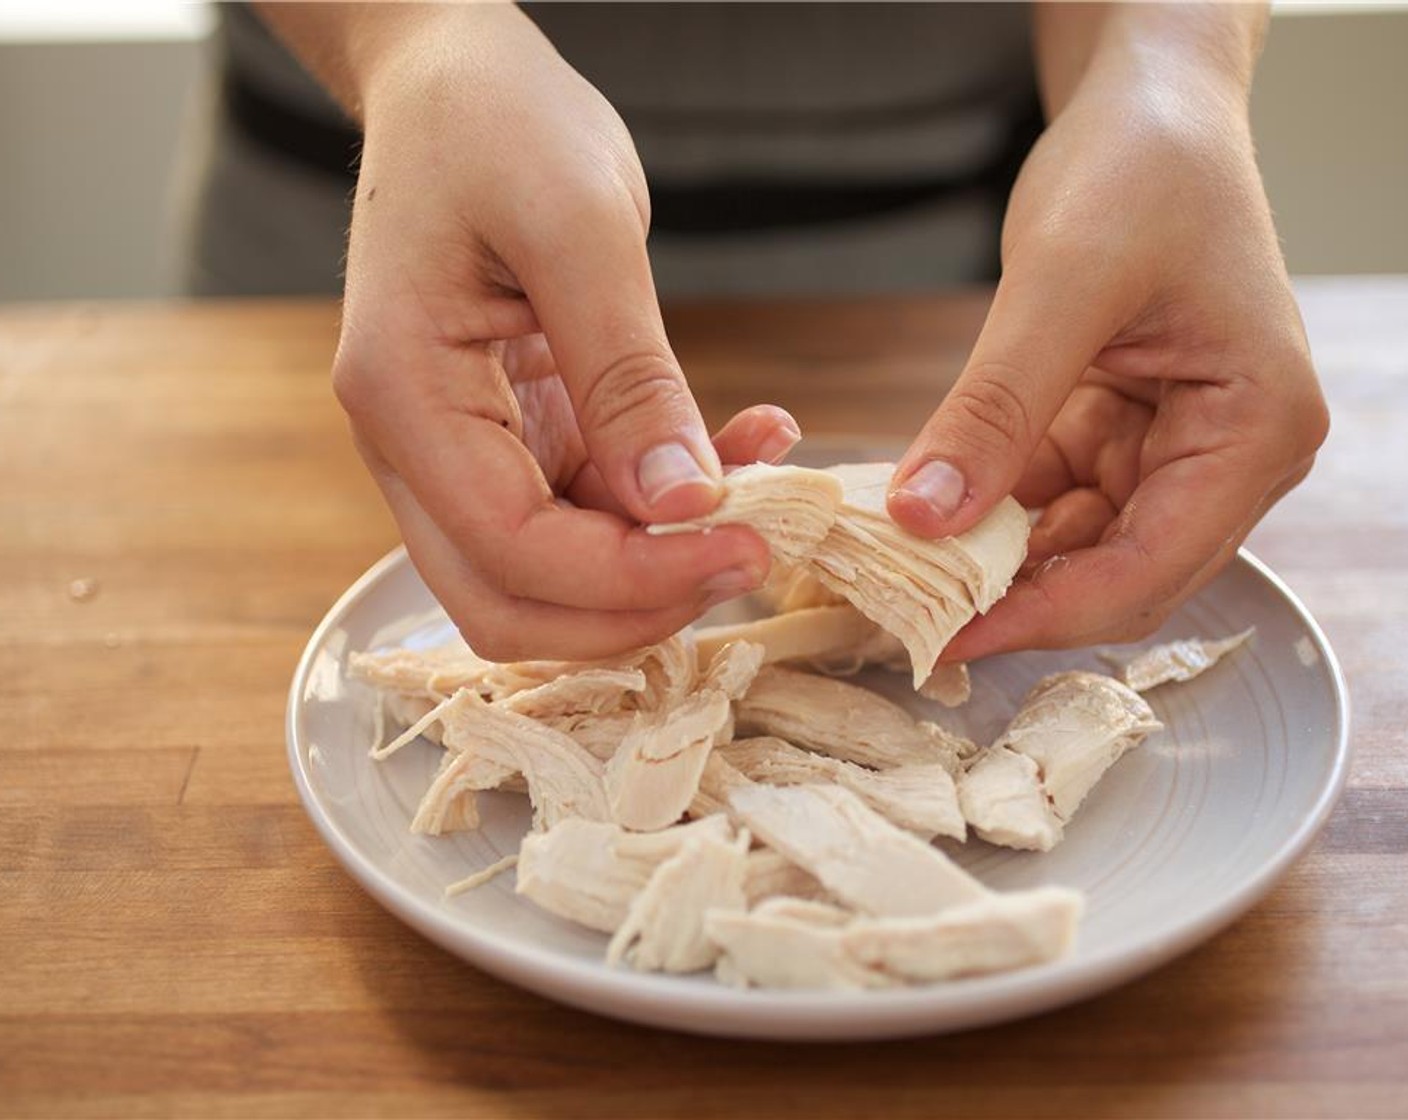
(1143, 374)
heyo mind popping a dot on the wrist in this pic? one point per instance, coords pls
(1191, 55)
(357, 49)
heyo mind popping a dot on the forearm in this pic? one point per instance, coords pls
(1209, 45)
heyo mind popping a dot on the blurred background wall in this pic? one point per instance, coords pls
(94, 98)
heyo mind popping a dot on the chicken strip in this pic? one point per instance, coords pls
(489, 744)
(1177, 661)
(664, 928)
(921, 798)
(590, 871)
(788, 943)
(992, 934)
(859, 856)
(1002, 797)
(814, 633)
(791, 508)
(1075, 726)
(844, 721)
(654, 774)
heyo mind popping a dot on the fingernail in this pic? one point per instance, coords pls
(777, 445)
(667, 467)
(938, 484)
(731, 582)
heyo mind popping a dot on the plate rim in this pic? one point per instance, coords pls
(798, 1015)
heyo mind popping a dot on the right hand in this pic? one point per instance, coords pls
(502, 346)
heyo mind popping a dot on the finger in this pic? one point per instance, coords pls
(1151, 559)
(587, 274)
(1074, 520)
(484, 491)
(502, 628)
(1096, 440)
(1044, 328)
(761, 434)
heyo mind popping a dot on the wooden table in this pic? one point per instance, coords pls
(178, 507)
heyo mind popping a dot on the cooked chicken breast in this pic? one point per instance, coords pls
(654, 774)
(921, 798)
(991, 934)
(1002, 797)
(590, 871)
(1075, 726)
(664, 928)
(791, 508)
(844, 721)
(1178, 661)
(859, 856)
(488, 744)
(788, 943)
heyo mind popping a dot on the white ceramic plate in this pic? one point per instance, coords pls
(1181, 837)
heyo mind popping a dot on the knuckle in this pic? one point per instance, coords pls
(628, 389)
(991, 409)
(1314, 416)
(596, 202)
(1144, 622)
(352, 384)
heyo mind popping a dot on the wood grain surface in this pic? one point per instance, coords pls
(175, 940)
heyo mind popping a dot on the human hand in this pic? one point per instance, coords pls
(502, 347)
(1143, 373)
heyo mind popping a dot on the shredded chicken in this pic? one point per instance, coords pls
(810, 634)
(1177, 661)
(792, 588)
(806, 862)
(834, 526)
(1071, 728)
(921, 798)
(487, 745)
(858, 855)
(791, 508)
(654, 774)
(770, 873)
(921, 591)
(844, 721)
(788, 943)
(591, 871)
(479, 878)
(664, 928)
(1075, 726)
(1002, 797)
(991, 934)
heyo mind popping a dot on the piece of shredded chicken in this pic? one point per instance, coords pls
(844, 721)
(663, 930)
(921, 797)
(488, 744)
(1176, 661)
(591, 871)
(654, 773)
(1071, 728)
(857, 854)
(789, 943)
(833, 525)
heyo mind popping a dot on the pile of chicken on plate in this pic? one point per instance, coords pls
(721, 800)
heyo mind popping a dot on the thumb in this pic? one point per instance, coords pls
(1041, 334)
(595, 300)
